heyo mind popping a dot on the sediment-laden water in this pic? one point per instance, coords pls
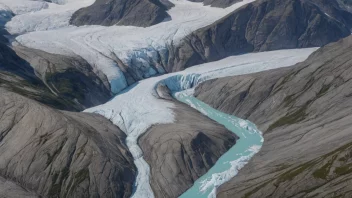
(228, 165)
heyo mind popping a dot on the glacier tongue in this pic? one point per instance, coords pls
(141, 51)
(138, 107)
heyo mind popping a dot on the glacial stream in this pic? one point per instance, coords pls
(228, 164)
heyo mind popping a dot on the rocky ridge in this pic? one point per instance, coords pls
(141, 13)
(263, 25)
(305, 114)
(68, 77)
(181, 152)
(218, 3)
(61, 154)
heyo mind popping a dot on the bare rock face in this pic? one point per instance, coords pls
(67, 77)
(61, 154)
(141, 13)
(16, 75)
(181, 152)
(11, 189)
(218, 3)
(263, 26)
(67, 83)
(305, 113)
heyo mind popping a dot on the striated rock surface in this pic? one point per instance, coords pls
(63, 82)
(262, 26)
(305, 114)
(122, 12)
(16, 75)
(67, 77)
(53, 153)
(181, 152)
(11, 189)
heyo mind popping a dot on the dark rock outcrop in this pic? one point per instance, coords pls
(305, 113)
(337, 9)
(218, 3)
(67, 77)
(61, 154)
(181, 152)
(262, 26)
(141, 13)
(67, 83)
(35, 90)
(18, 76)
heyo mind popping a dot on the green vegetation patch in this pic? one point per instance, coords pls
(324, 90)
(56, 185)
(324, 171)
(51, 158)
(68, 83)
(289, 175)
(297, 116)
(256, 189)
(343, 170)
(79, 177)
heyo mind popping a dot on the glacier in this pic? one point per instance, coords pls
(45, 26)
(139, 107)
(110, 49)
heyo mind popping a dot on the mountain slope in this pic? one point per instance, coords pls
(181, 152)
(59, 154)
(63, 82)
(218, 3)
(305, 114)
(141, 13)
(68, 77)
(262, 26)
(128, 54)
(18, 76)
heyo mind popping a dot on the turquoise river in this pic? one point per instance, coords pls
(228, 165)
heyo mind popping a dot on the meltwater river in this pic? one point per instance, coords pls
(228, 164)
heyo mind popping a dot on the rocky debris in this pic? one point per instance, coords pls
(61, 154)
(262, 26)
(181, 152)
(305, 114)
(218, 3)
(163, 92)
(141, 13)
(68, 77)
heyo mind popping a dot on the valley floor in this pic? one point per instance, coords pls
(135, 63)
(137, 108)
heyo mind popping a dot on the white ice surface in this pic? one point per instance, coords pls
(45, 26)
(41, 16)
(19, 7)
(49, 30)
(138, 108)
